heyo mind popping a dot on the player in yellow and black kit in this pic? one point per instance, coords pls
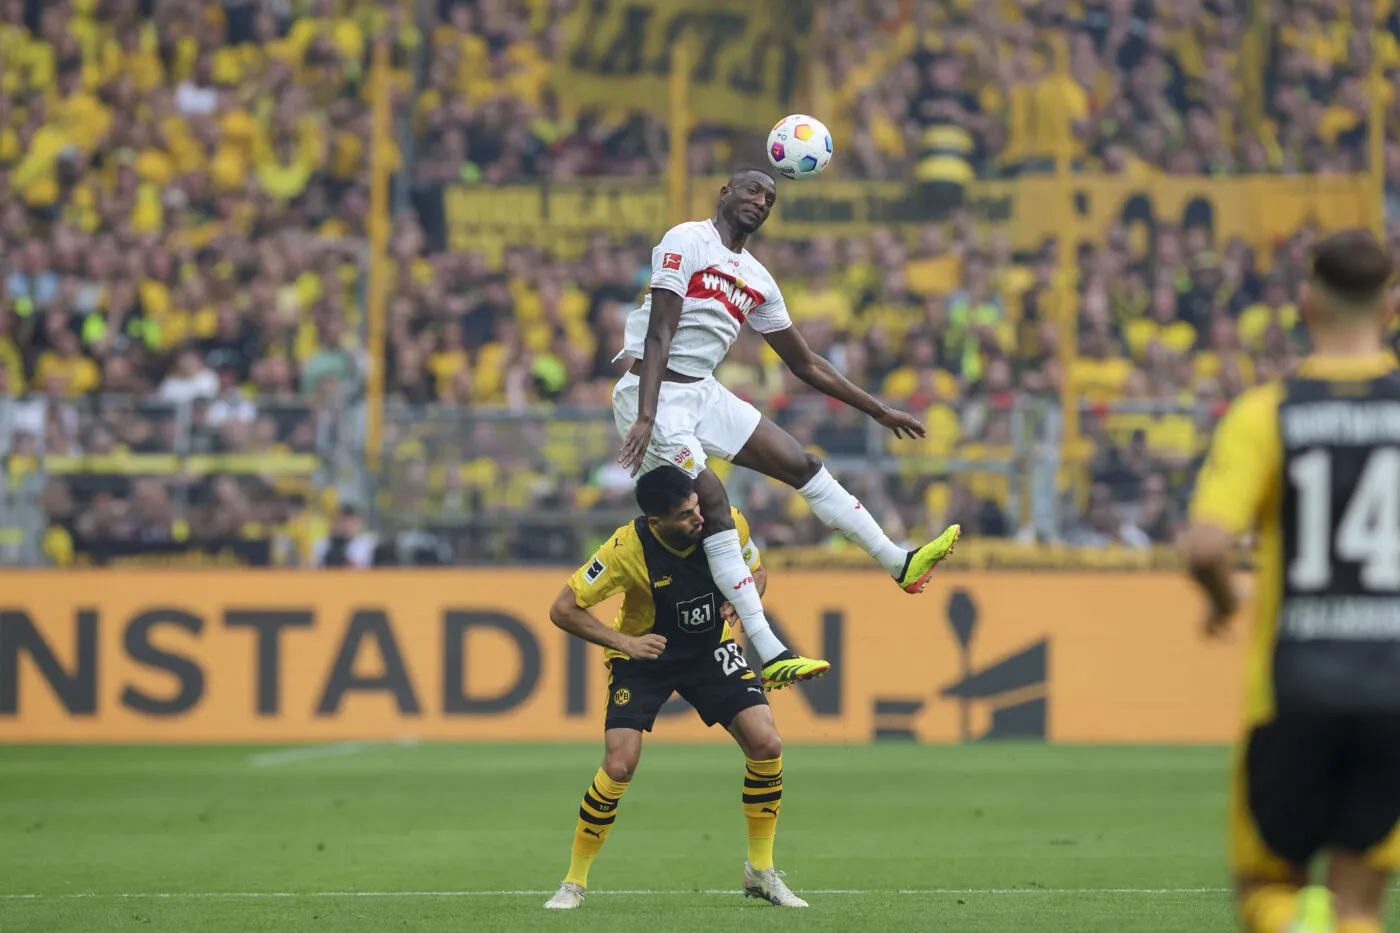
(1313, 463)
(672, 635)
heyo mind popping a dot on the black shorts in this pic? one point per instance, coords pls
(1320, 781)
(720, 686)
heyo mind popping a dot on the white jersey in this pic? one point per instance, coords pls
(720, 291)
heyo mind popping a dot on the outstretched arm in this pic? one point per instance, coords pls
(814, 370)
(661, 327)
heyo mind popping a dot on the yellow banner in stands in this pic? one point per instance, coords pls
(1258, 209)
(129, 464)
(468, 655)
(747, 62)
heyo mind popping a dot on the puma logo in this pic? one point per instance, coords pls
(594, 832)
(772, 810)
(658, 584)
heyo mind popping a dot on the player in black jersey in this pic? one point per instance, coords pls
(672, 635)
(1313, 463)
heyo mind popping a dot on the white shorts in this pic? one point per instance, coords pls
(694, 420)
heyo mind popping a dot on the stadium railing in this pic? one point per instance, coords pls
(541, 485)
(138, 478)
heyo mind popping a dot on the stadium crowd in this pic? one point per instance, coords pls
(185, 190)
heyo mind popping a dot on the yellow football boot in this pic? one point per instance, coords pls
(788, 669)
(1314, 911)
(918, 567)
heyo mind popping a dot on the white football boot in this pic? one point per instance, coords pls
(569, 896)
(768, 885)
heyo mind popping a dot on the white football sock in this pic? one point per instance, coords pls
(735, 580)
(838, 509)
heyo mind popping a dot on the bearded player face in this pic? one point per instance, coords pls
(681, 527)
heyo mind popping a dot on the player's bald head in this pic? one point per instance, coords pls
(755, 174)
(1351, 272)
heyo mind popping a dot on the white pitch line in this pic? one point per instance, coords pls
(305, 753)
(854, 892)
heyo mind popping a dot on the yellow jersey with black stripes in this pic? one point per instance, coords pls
(1313, 464)
(665, 591)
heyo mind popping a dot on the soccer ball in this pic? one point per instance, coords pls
(799, 146)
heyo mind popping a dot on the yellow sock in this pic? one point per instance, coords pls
(1269, 909)
(595, 820)
(763, 797)
(1360, 926)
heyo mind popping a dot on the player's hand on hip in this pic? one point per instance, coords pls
(728, 613)
(634, 446)
(1218, 623)
(646, 647)
(901, 423)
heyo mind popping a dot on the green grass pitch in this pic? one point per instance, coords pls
(474, 837)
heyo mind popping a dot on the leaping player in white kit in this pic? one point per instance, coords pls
(704, 287)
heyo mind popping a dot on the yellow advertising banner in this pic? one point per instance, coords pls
(996, 554)
(269, 656)
(747, 57)
(1258, 209)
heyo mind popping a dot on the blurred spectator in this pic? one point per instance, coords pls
(191, 379)
(1104, 524)
(348, 544)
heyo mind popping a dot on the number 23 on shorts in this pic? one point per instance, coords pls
(731, 658)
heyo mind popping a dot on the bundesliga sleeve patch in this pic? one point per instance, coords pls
(594, 571)
(671, 261)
